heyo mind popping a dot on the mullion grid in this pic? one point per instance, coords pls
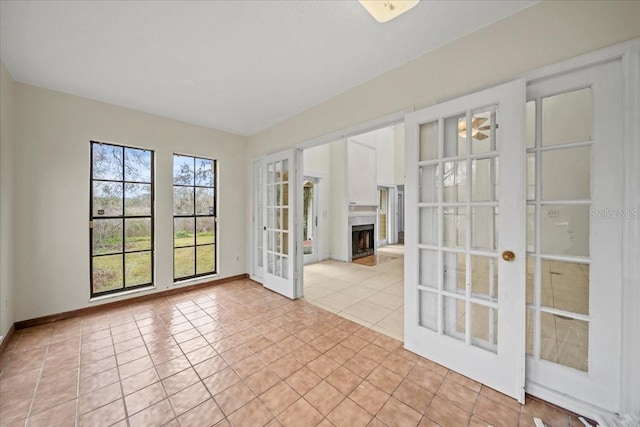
(123, 219)
(195, 217)
(537, 306)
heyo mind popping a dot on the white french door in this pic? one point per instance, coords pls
(466, 258)
(574, 242)
(276, 256)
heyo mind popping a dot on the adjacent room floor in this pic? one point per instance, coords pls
(236, 354)
(372, 296)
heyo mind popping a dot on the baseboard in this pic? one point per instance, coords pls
(7, 337)
(94, 309)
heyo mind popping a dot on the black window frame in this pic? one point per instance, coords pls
(123, 217)
(195, 216)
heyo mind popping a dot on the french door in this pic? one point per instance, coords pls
(465, 262)
(574, 246)
(276, 257)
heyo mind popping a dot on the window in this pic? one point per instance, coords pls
(121, 218)
(194, 217)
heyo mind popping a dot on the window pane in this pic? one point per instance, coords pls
(137, 165)
(204, 201)
(484, 231)
(455, 136)
(565, 230)
(137, 236)
(137, 199)
(455, 181)
(184, 262)
(183, 200)
(482, 132)
(565, 341)
(565, 286)
(428, 141)
(205, 230)
(107, 198)
(484, 327)
(428, 316)
(137, 268)
(107, 236)
(107, 162)
(183, 173)
(204, 172)
(107, 273)
(206, 259)
(454, 317)
(455, 226)
(183, 232)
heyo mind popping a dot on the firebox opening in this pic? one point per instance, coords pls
(362, 241)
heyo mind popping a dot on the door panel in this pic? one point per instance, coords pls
(574, 235)
(464, 305)
(279, 212)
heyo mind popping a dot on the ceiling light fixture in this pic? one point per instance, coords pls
(386, 10)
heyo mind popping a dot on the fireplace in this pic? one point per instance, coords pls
(362, 241)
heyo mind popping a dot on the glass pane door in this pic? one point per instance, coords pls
(465, 270)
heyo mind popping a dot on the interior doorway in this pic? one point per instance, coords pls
(311, 237)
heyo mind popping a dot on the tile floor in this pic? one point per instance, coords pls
(372, 296)
(236, 354)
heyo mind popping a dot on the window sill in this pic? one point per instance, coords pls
(196, 280)
(121, 294)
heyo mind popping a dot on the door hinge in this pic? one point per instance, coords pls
(90, 224)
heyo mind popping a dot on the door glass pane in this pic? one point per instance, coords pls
(531, 176)
(137, 236)
(137, 199)
(484, 277)
(184, 262)
(428, 310)
(137, 165)
(183, 173)
(205, 261)
(531, 228)
(530, 328)
(205, 227)
(285, 218)
(428, 141)
(566, 174)
(566, 286)
(454, 317)
(429, 176)
(107, 273)
(107, 198)
(428, 226)
(531, 124)
(531, 274)
(566, 117)
(565, 230)
(428, 268)
(285, 243)
(107, 162)
(455, 136)
(455, 181)
(454, 274)
(484, 177)
(138, 268)
(183, 231)
(285, 267)
(484, 327)
(565, 341)
(285, 195)
(484, 231)
(482, 132)
(455, 227)
(107, 236)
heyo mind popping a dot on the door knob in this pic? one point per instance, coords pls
(508, 256)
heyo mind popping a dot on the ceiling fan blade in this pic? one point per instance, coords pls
(478, 121)
(487, 127)
(480, 136)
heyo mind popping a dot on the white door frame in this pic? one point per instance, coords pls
(255, 268)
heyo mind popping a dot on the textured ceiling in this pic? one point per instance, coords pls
(238, 66)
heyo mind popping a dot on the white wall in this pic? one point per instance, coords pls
(542, 34)
(317, 161)
(337, 214)
(398, 154)
(7, 143)
(51, 161)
